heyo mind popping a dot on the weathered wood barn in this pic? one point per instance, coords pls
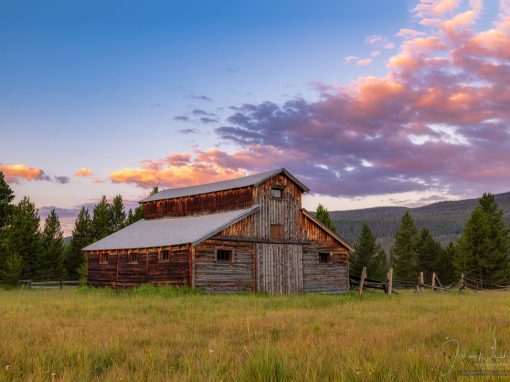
(246, 234)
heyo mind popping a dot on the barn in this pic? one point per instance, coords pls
(244, 234)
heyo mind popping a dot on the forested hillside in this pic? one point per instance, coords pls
(444, 219)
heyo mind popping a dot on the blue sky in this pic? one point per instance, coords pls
(98, 84)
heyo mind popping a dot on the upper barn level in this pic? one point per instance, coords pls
(234, 194)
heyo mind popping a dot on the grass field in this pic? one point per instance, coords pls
(160, 334)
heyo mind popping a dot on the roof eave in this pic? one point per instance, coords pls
(329, 231)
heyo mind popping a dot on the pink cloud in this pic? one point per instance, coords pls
(17, 172)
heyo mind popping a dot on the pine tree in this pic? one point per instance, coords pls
(102, 219)
(404, 250)
(22, 237)
(50, 264)
(445, 265)
(483, 249)
(10, 273)
(6, 197)
(82, 236)
(322, 215)
(368, 254)
(428, 252)
(118, 214)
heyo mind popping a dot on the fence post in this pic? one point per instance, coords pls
(422, 279)
(462, 284)
(418, 285)
(433, 280)
(362, 279)
(390, 280)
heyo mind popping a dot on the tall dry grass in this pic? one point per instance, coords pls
(161, 334)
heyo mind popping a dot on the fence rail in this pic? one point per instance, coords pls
(48, 284)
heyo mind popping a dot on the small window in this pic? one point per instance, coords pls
(164, 256)
(103, 258)
(276, 193)
(133, 258)
(224, 255)
(277, 231)
(324, 257)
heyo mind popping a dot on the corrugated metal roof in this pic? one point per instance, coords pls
(170, 231)
(251, 180)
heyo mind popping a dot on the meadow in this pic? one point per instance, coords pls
(151, 334)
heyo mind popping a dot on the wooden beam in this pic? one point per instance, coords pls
(362, 279)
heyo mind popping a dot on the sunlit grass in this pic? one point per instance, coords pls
(155, 334)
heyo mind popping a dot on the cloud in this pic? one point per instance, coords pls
(200, 112)
(348, 59)
(409, 33)
(364, 62)
(189, 131)
(201, 98)
(207, 120)
(181, 118)
(379, 41)
(84, 172)
(18, 172)
(62, 179)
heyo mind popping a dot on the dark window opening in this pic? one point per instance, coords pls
(277, 231)
(164, 255)
(276, 193)
(224, 255)
(103, 258)
(324, 257)
(133, 257)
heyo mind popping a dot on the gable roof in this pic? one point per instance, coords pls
(251, 180)
(170, 231)
(336, 236)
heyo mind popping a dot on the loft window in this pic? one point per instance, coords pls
(133, 258)
(276, 231)
(224, 255)
(324, 257)
(103, 258)
(276, 192)
(164, 256)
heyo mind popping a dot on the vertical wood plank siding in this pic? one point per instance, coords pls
(148, 269)
(280, 268)
(219, 276)
(201, 204)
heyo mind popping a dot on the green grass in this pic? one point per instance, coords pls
(161, 334)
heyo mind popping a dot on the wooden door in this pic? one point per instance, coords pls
(279, 268)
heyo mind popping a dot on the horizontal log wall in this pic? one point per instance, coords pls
(217, 276)
(148, 269)
(329, 277)
(213, 202)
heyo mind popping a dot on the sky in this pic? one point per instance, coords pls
(369, 103)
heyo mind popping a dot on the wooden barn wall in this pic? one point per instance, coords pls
(119, 272)
(330, 277)
(218, 276)
(308, 230)
(283, 211)
(201, 204)
(279, 268)
(244, 228)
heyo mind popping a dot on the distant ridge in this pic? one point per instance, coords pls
(445, 220)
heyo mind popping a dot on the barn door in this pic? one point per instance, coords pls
(280, 268)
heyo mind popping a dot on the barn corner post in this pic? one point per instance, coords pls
(191, 265)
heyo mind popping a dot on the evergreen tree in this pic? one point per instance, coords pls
(12, 267)
(22, 237)
(102, 219)
(118, 214)
(445, 265)
(404, 250)
(6, 197)
(82, 236)
(428, 252)
(368, 254)
(322, 215)
(483, 249)
(50, 264)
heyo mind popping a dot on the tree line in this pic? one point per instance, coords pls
(28, 252)
(481, 252)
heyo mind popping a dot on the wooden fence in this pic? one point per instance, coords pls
(48, 284)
